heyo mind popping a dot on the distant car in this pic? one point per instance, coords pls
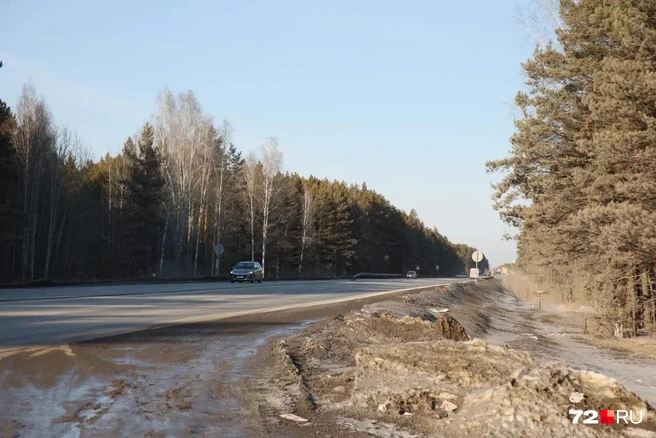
(411, 274)
(246, 271)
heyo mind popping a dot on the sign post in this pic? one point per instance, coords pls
(539, 294)
(477, 256)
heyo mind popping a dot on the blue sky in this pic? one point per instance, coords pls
(410, 97)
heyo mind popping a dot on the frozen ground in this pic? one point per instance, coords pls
(554, 333)
(172, 382)
(403, 369)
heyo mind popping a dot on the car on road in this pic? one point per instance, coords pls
(411, 274)
(246, 271)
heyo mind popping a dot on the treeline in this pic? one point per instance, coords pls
(177, 191)
(584, 155)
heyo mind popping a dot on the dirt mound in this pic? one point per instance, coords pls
(409, 368)
(472, 388)
(432, 368)
(449, 328)
(338, 338)
(468, 303)
(399, 310)
(317, 365)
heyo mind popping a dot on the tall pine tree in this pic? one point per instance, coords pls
(584, 155)
(143, 209)
(10, 215)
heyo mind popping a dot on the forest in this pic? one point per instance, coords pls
(177, 190)
(580, 180)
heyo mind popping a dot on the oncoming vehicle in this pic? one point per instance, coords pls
(411, 274)
(249, 271)
(474, 274)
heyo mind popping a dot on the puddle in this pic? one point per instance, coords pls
(198, 396)
(133, 362)
(38, 409)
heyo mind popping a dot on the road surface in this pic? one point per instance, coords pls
(46, 316)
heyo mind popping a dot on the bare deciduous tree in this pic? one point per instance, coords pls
(249, 177)
(307, 223)
(66, 147)
(35, 142)
(182, 132)
(271, 159)
(220, 175)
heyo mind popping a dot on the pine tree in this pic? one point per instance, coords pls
(143, 212)
(10, 215)
(584, 155)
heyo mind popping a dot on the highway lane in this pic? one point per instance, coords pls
(49, 316)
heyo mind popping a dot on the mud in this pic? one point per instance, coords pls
(410, 368)
(179, 381)
(462, 361)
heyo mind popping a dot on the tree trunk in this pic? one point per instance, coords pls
(646, 294)
(265, 227)
(162, 248)
(218, 210)
(253, 233)
(59, 239)
(35, 218)
(26, 226)
(306, 224)
(55, 190)
(198, 228)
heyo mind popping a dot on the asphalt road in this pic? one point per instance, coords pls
(47, 316)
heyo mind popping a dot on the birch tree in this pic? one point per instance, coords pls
(63, 216)
(272, 159)
(249, 177)
(307, 222)
(181, 133)
(221, 169)
(35, 141)
(207, 164)
(65, 145)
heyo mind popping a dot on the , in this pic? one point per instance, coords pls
(246, 271)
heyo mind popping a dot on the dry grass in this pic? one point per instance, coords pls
(526, 288)
(570, 297)
(644, 346)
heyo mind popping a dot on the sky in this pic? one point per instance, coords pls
(410, 97)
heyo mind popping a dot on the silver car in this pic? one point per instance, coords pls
(411, 274)
(246, 271)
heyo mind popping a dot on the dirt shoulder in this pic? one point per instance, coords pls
(474, 361)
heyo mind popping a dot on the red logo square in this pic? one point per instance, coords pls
(607, 416)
